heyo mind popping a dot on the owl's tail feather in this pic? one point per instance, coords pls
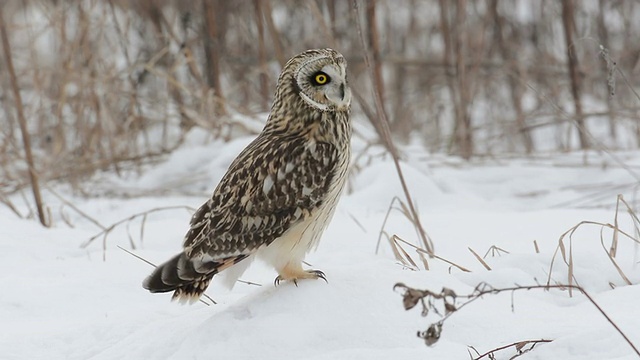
(187, 277)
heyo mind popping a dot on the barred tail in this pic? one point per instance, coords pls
(187, 277)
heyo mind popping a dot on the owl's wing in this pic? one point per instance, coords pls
(273, 184)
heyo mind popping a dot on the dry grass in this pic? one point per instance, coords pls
(565, 243)
(403, 250)
(405, 258)
(481, 260)
(417, 258)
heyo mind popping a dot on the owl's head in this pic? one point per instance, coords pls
(319, 78)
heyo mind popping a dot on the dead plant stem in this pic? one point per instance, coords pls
(26, 141)
(384, 126)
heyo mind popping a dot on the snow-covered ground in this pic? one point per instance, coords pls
(59, 300)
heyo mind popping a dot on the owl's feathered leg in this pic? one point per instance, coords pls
(187, 277)
(294, 272)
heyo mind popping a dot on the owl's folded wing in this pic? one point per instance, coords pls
(273, 184)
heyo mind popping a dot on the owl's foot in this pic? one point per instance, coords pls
(308, 274)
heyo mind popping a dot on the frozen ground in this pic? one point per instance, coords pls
(61, 301)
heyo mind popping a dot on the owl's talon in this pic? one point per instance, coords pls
(310, 274)
(320, 275)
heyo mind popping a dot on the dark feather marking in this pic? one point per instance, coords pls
(187, 276)
(223, 231)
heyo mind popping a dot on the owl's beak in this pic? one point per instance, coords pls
(340, 96)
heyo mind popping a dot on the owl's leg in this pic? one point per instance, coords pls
(294, 272)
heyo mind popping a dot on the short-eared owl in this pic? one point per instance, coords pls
(280, 193)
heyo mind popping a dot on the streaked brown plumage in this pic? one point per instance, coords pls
(280, 193)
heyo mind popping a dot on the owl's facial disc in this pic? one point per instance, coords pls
(323, 85)
(336, 91)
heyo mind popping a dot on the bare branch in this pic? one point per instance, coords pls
(411, 297)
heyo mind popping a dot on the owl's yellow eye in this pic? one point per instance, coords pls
(321, 78)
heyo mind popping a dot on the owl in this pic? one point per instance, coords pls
(280, 193)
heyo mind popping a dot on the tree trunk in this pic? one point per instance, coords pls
(26, 140)
(212, 49)
(374, 44)
(262, 55)
(574, 77)
(514, 71)
(446, 39)
(603, 34)
(464, 135)
(273, 32)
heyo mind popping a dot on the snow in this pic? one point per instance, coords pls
(62, 301)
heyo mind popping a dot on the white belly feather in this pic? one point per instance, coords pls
(291, 247)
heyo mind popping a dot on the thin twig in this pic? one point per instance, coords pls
(384, 222)
(481, 260)
(75, 208)
(137, 256)
(518, 345)
(383, 123)
(248, 282)
(107, 230)
(9, 204)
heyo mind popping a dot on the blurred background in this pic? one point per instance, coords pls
(113, 85)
